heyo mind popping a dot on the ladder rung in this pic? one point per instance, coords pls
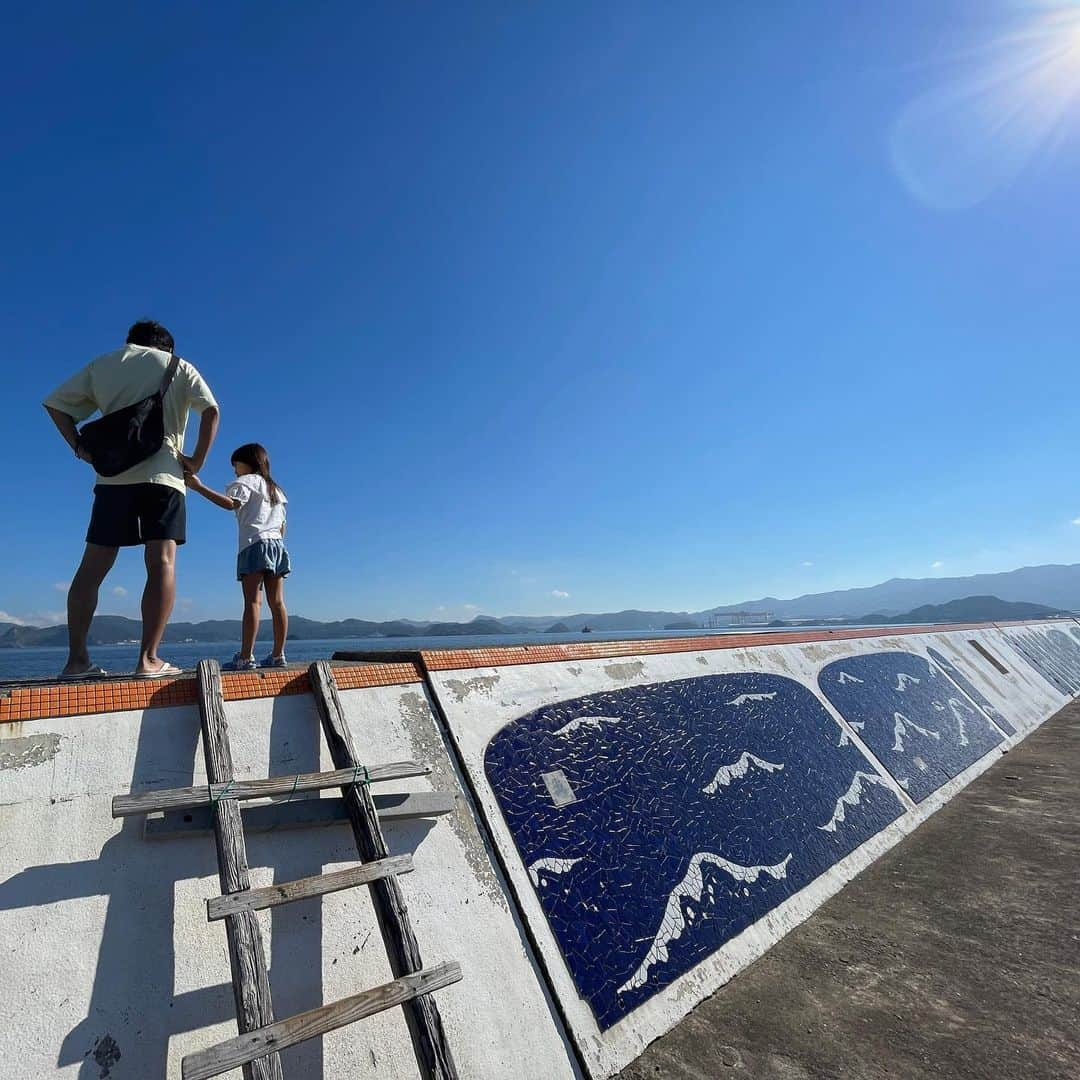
(206, 794)
(305, 813)
(217, 907)
(233, 1053)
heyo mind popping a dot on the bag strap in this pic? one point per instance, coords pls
(170, 374)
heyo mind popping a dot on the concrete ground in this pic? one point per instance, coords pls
(955, 955)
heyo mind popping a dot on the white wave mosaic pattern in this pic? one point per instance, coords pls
(680, 912)
(917, 723)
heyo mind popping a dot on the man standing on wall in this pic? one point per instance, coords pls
(144, 504)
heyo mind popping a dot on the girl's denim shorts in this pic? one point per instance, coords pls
(263, 557)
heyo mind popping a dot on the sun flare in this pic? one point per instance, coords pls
(1008, 101)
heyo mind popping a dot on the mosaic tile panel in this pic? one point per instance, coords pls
(966, 686)
(917, 723)
(1053, 653)
(656, 822)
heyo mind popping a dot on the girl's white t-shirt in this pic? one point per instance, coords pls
(257, 516)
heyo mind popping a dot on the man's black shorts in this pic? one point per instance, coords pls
(128, 514)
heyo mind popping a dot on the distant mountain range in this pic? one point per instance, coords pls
(969, 609)
(1044, 589)
(1055, 586)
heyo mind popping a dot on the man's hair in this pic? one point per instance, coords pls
(152, 335)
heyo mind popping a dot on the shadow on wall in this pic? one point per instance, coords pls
(298, 949)
(134, 1011)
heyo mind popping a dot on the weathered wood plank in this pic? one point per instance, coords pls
(251, 984)
(215, 1060)
(217, 907)
(301, 814)
(146, 802)
(421, 1014)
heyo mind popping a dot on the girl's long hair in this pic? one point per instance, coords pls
(255, 457)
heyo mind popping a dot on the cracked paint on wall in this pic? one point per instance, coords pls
(481, 684)
(26, 751)
(426, 744)
(632, 669)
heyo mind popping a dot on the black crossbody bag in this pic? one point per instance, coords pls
(120, 440)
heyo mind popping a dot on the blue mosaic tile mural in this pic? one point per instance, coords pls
(657, 822)
(1053, 654)
(918, 725)
(965, 684)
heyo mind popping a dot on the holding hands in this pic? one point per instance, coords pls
(191, 467)
(191, 478)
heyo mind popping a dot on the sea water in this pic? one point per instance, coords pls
(118, 659)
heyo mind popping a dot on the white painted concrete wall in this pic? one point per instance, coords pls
(104, 934)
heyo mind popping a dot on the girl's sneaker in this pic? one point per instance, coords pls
(240, 663)
(273, 661)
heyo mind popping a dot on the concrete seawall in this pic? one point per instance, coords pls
(636, 823)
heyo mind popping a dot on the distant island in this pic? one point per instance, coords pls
(117, 629)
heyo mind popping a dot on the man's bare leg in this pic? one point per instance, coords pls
(157, 600)
(82, 602)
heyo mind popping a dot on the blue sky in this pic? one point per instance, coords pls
(555, 308)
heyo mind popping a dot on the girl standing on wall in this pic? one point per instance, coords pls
(263, 561)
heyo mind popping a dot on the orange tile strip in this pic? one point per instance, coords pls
(40, 701)
(502, 656)
(50, 700)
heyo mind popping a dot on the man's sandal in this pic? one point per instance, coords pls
(166, 669)
(92, 672)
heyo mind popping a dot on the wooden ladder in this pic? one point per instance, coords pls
(256, 1048)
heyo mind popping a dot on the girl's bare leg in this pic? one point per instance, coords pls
(275, 597)
(252, 586)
